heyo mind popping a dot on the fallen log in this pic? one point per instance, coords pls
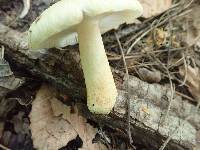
(148, 101)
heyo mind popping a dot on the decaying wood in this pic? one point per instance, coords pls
(148, 101)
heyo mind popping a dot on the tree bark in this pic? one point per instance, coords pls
(148, 101)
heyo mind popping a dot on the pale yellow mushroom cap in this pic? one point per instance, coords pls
(57, 25)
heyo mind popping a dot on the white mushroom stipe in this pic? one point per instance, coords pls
(59, 25)
(101, 90)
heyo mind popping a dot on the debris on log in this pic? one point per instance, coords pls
(148, 101)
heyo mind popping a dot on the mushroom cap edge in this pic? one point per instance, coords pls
(56, 26)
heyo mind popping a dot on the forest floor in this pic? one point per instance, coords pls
(162, 49)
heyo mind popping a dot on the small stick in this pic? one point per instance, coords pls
(170, 40)
(25, 9)
(169, 138)
(137, 40)
(172, 87)
(186, 70)
(185, 96)
(127, 86)
(160, 22)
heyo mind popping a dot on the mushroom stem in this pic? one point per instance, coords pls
(101, 90)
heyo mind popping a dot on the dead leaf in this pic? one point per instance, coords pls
(85, 131)
(48, 132)
(53, 126)
(154, 7)
(152, 76)
(192, 80)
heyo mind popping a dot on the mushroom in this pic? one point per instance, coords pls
(59, 25)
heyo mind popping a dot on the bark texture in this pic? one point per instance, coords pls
(148, 101)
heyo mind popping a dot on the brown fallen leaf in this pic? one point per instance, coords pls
(85, 131)
(48, 132)
(192, 80)
(53, 126)
(154, 7)
(151, 76)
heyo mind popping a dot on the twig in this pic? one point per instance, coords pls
(147, 22)
(141, 65)
(176, 63)
(186, 71)
(25, 9)
(194, 41)
(185, 96)
(188, 5)
(137, 40)
(169, 138)
(160, 23)
(141, 54)
(127, 88)
(170, 40)
(172, 88)
(143, 34)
